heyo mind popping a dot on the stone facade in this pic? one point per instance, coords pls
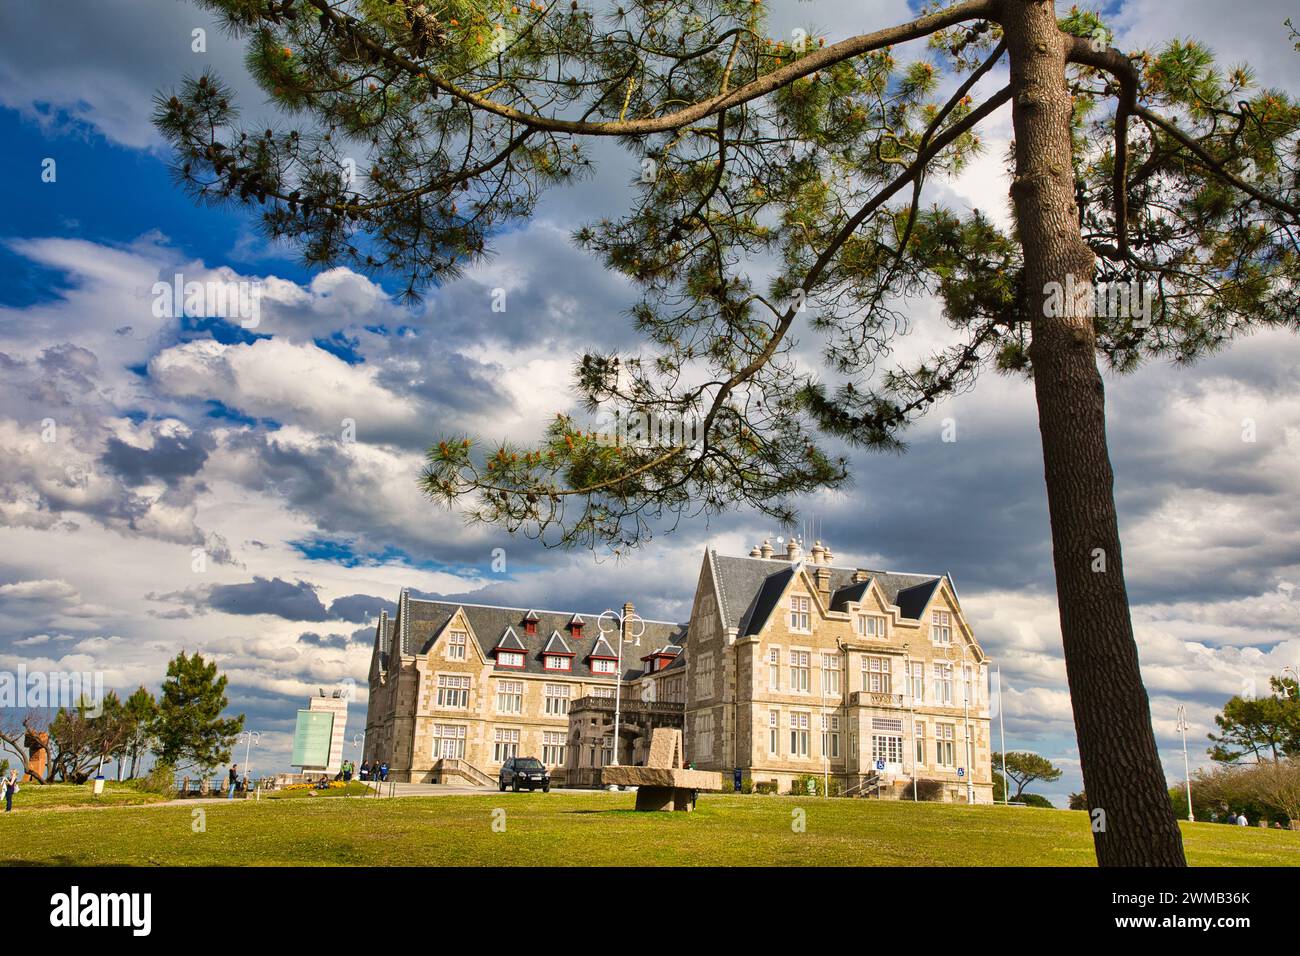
(456, 689)
(796, 667)
(792, 667)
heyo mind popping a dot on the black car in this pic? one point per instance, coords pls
(520, 772)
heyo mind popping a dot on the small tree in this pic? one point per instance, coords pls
(142, 710)
(1024, 768)
(1276, 784)
(188, 726)
(1079, 801)
(1259, 726)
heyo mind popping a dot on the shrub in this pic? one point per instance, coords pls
(925, 790)
(746, 785)
(161, 779)
(765, 786)
(1036, 800)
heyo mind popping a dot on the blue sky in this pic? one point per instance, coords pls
(183, 436)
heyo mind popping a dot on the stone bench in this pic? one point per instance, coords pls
(663, 784)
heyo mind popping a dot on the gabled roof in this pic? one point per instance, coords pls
(576, 619)
(912, 601)
(510, 642)
(749, 588)
(557, 645)
(602, 650)
(765, 601)
(488, 623)
(531, 616)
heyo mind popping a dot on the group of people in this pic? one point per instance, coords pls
(374, 771)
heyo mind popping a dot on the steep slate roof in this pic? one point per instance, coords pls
(748, 588)
(429, 619)
(510, 641)
(602, 649)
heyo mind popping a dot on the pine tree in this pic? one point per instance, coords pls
(1150, 171)
(188, 726)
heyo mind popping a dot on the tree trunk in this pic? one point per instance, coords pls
(1132, 818)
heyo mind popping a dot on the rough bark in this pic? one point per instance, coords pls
(1134, 823)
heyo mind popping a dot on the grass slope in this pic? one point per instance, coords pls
(592, 829)
(61, 795)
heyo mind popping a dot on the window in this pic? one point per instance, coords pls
(606, 692)
(774, 732)
(943, 684)
(552, 748)
(606, 751)
(800, 613)
(505, 744)
(798, 735)
(799, 671)
(557, 699)
(673, 690)
(453, 690)
(876, 676)
(774, 669)
(940, 627)
(510, 697)
(448, 742)
(871, 625)
(510, 659)
(916, 675)
(456, 646)
(945, 751)
(887, 747)
(704, 677)
(830, 735)
(920, 743)
(831, 675)
(556, 662)
(968, 682)
(704, 733)
(602, 665)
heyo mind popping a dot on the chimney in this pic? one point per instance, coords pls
(818, 553)
(766, 550)
(755, 552)
(823, 577)
(827, 558)
(859, 576)
(792, 551)
(629, 632)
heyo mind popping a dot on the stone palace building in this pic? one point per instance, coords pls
(789, 667)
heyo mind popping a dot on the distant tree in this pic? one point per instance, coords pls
(188, 726)
(1265, 727)
(1276, 784)
(999, 787)
(142, 709)
(1037, 800)
(1079, 801)
(1024, 768)
(84, 736)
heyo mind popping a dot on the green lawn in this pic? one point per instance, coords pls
(56, 795)
(593, 829)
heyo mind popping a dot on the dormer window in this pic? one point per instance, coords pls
(575, 627)
(602, 659)
(557, 655)
(603, 665)
(509, 650)
(556, 662)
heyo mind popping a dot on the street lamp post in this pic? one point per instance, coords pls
(249, 737)
(911, 710)
(624, 621)
(1002, 737)
(1187, 776)
(965, 712)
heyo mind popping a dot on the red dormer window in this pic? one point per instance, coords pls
(530, 627)
(576, 629)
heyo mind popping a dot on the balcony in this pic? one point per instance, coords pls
(630, 708)
(866, 698)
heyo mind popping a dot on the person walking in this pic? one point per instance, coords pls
(347, 771)
(10, 786)
(1242, 821)
(383, 771)
(365, 770)
(233, 779)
